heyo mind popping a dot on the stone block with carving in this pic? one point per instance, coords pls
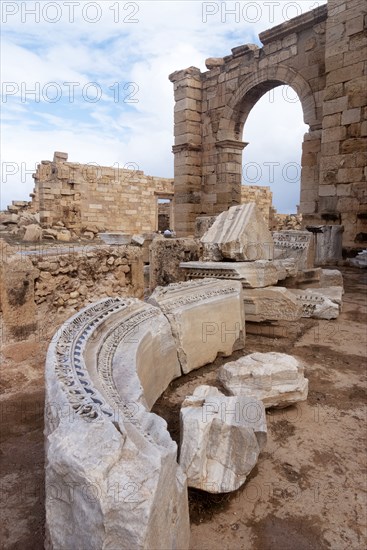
(240, 234)
(274, 303)
(258, 274)
(221, 439)
(274, 378)
(297, 245)
(112, 478)
(206, 316)
(318, 303)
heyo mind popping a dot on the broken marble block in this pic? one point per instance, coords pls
(256, 274)
(298, 245)
(240, 234)
(316, 302)
(274, 303)
(206, 317)
(221, 439)
(274, 378)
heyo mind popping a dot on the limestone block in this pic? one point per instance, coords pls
(206, 318)
(64, 235)
(332, 293)
(260, 273)
(221, 439)
(328, 243)
(274, 378)
(297, 245)
(273, 303)
(315, 304)
(33, 233)
(286, 268)
(202, 224)
(360, 260)
(331, 277)
(240, 234)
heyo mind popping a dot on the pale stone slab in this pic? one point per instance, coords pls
(331, 277)
(333, 293)
(360, 260)
(274, 378)
(258, 274)
(315, 304)
(240, 234)
(206, 317)
(112, 479)
(274, 303)
(297, 245)
(221, 439)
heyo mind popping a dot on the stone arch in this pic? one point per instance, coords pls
(253, 87)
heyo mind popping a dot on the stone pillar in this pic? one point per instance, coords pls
(187, 149)
(309, 202)
(227, 188)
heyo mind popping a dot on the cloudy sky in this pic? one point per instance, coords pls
(91, 79)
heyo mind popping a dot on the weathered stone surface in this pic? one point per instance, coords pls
(33, 233)
(328, 243)
(112, 480)
(115, 238)
(165, 256)
(333, 293)
(274, 378)
(315, 304)
(206, 317)
(297, 245)
(221, 439)
(256, 274)
(64, 235)
(286, 268)
(202, 224)
(331, 277)
(240, 234)
(138, 240)
(273, 303)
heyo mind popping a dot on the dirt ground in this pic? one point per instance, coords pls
(308, 490)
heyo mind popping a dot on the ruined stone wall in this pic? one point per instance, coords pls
(343, 194)
(113, 199)
(322, 56)
(40, 290)
(261, 195)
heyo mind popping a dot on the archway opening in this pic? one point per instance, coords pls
(274, 129)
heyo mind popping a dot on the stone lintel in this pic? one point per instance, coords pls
(295, 25)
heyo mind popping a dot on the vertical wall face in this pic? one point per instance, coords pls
(113, 199)
(321, 55)
(293, 54)
(344, 149)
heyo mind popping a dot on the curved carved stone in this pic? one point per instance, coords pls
(112, 478)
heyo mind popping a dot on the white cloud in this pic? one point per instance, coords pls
(169, 36)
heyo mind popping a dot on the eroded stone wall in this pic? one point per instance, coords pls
(82, 195)
(40, 290)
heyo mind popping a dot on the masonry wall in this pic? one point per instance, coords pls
(113, 199)
(342, 190)
(322, 56)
